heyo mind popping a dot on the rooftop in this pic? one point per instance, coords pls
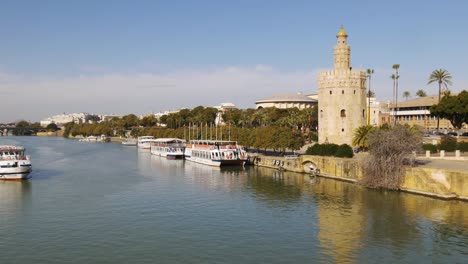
(418, 102)
(298, 97)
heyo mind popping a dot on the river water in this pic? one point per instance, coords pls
(107, 203)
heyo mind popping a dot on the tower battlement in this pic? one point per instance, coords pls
(342, 78)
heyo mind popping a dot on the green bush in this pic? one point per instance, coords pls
(344, 151)
(448, 143)
(314, 150)
(432, 148)
(330, 150)
(462, 146)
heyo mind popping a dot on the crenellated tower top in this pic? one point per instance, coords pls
(342, 51)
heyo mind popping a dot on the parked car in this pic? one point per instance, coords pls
(464, 134)
(452, 134)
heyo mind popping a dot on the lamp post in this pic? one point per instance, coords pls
(369, 76)
(396, 67)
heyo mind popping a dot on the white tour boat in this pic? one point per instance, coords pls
(215, 152)
(171, 148)
(14, 165)
(144, 142)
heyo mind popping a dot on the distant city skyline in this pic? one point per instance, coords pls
(149, 56)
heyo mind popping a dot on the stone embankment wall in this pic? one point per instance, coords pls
(441, 183)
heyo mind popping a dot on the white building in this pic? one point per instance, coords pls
(61, 120)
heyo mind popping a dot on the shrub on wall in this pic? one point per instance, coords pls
(344, 151)
(389, 150)
(432, 148)
(448, 143)
(462, 146)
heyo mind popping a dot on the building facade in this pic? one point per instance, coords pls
(416, 112)
(341, 97)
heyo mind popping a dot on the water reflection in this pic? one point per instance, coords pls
(228, 179)
(275, 186)
(351, 220)
(15, 197)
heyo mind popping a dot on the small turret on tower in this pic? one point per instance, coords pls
(342, 51)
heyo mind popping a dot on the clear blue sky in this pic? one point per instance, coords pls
(143, 56)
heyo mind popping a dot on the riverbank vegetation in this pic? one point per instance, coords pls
(390, 149)
(267, 128)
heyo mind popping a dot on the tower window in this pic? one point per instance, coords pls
(330, 92)
(321, 113)
(363, 113)
(342, 91)
(342, 130)
(354, 91)
(343, 113)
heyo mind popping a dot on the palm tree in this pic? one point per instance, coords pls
(361, 135)
(421, 93)
(406, 95)
(396, 67)
(369, 75)
(442, 77)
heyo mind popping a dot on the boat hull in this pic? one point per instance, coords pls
(15, 174)
(216, 163)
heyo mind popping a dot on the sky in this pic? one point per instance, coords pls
(121, 57)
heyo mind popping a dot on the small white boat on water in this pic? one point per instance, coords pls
(101, 138)
(144, 142)
(171, 148)
(89, 139)
(129, 142)
(215, 153)
(14, 165)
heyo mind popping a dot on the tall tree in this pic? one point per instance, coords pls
(421, 93)
(443, 78)
(396, 67)
(454, 108)
(406, 95)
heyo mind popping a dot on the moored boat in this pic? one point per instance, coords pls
(171, 148)
(215, 153)
(144, 142)
(89, 139)
(14, 164)
(129, 142)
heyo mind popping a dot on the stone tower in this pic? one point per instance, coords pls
(341, 97)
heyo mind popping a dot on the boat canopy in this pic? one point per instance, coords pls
(11, 148)
(169, 140)
(213, 142)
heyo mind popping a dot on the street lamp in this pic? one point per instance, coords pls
(369, 76)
